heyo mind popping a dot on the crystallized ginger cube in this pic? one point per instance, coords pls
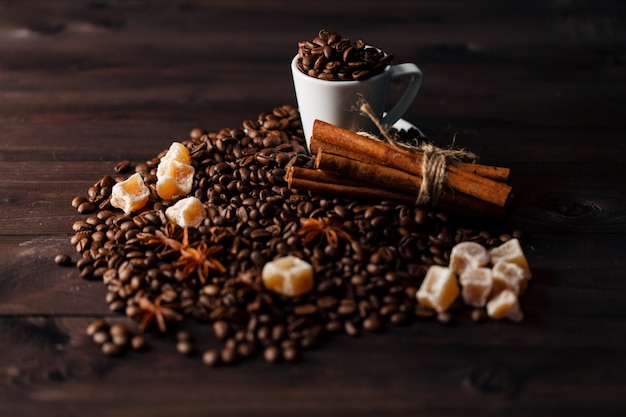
(468, 255)
(176, 152)
(289, 275)
(176, 179)
(511, 251)
(505, 305)
(188, 212)
(439, 289)
(476, 286)
(508, 276)
(130, 195)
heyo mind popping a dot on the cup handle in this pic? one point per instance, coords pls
(402, 70)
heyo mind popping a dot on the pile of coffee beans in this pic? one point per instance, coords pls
(330, 56)
(366, 283)
(115, 339)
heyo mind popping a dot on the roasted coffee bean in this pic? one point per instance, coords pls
(92, 221)
(445, 318)
(387, 310)
(139, 343)
(122, 167)
(479, 315)
(211, 357)
(185, 347)
(101, 336)
(272, 354)
(373, 324)
(505, 237)
(279, 332)
(82, 227)
(327, 302)
(111, 349)
(142, 168)
(221, 329)
(118, 329)
(351, 329)
(96, 326)
(263, 335)
(245, 350)
(291, 354)
(121, 339)
(63, 259)
(305, 309)
(334, 326)
(87, 272)
(196, 133)
(86, 207)
(82, 244)
(78, 200)
(228, 355)
(184, 336)
(117, 306)
(347, 307)
(399, 319)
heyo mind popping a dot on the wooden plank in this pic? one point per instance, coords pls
(32, 283)
(180, 97)
(486, 374)
(198, 71)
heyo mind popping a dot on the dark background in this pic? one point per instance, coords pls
(537, 86)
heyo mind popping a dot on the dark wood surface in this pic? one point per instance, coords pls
(538, 86)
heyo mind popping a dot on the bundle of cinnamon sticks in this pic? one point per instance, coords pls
(351, 165)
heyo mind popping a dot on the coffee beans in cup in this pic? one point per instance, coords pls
(331, 56)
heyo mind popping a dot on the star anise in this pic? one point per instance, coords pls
(315, 228)
(149, 312)
(196, 257)
(165, 239)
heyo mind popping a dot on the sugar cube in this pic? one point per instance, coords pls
(176, 179)
(476, 286)
(439, 288)
(468, 255)
(187, 212)
(130, 195)
(511, 251)
(508, 276)
(289, 275)
(505, 305)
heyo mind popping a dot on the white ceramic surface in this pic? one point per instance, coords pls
(402, 124)
(337, 102)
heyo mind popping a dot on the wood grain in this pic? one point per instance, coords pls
(537, 86)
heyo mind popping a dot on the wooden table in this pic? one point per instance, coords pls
(537, 86)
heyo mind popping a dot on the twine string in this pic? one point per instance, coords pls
(434, 160)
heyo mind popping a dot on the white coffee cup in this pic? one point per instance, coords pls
(338, 101)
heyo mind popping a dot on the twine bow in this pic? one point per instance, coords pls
(434, 160)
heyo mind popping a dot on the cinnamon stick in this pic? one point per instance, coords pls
(469, 183)
(388, 178)
(326, 183)
(368, 172)
(500, 174)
